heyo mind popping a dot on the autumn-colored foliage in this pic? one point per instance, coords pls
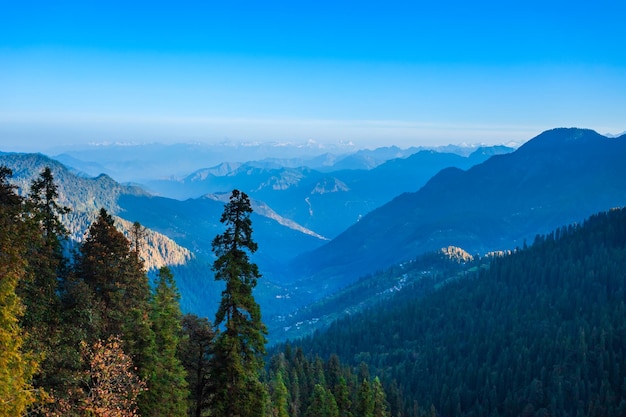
(112, 381)
(86, 336)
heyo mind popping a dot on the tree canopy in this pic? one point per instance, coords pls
(240, 342)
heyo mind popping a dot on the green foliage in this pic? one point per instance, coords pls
(105, 297)
(323, 388)
(195, 352)
(419, 277)
(379, 399)
(365, 400)
(342, 397)
(279, 397)
(47, 211)
(16, 365)
(118, 280)
(167, 387)
(40, 289)
(322, 403)
(240, 345)
(539, 332)
(103, 265)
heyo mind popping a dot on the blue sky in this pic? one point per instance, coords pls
(371, 73)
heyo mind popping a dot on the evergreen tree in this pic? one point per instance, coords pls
(167, 389)
(47, 266)
(322, 403)
(342, 396)
(103, 264)
(280, 403)
(195, 353)
(240, 344)
(365, 400)
(80, 325)
(43, 197)
(380, 401)
(114, 273)
(16, 366)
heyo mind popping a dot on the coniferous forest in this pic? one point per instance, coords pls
(538, 332)
(88, 335)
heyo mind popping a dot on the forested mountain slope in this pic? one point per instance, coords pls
(542, 332)
(559, 177)
(415, 278)
(179, 233)
(85, 197)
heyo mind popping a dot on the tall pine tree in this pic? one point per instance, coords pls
(167, 393)
(47, 266)
(114, 273)
(195, 351)
(240, 344)
(16, 366)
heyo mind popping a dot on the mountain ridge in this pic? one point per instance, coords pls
(558, 177)
(539, 332)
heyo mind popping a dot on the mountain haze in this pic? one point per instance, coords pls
(491, 199)
(559, 177)
(325, 201)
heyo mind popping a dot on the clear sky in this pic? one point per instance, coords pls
(374, 73)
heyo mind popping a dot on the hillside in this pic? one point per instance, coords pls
(85, 197)
(559, 177)
(417, 277)
(541, 332)
(81, 193)
(179, 233)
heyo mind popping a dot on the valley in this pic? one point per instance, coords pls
(404, 268)
(322, 230)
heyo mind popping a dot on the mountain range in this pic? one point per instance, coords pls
(537, 332)
(325, 201)
(561, 176)
(320, 230)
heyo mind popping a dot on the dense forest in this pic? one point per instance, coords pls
(537, 332)
(540, 332)
(88, 334)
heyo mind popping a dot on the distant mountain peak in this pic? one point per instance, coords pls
(562, 136)
(559, 177)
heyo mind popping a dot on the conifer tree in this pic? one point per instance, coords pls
(114, 273)
(365, 400)
(322, 404)
(380, 401)
(16, 366)
(195, 353)
(280, 400)
(137, 326)
(342, 396)
(43, 197)
(240, 344)
(167, 393)
(47, 266)
(103, 265)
